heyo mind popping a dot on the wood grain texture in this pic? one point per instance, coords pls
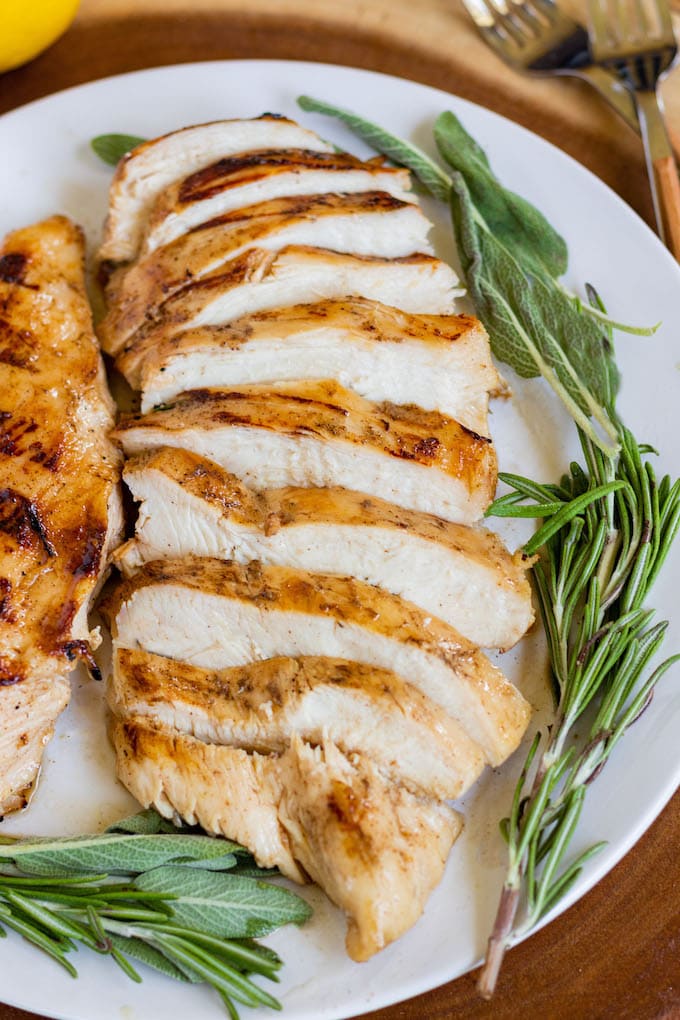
(668, 188)
(616, 954)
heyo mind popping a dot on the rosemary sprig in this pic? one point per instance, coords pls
(592, 578)
(178, 902)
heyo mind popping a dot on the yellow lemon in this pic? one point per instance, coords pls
(26, 29)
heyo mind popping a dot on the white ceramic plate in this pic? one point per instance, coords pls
(48, 167)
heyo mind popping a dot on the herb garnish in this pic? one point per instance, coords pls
(112, 148)
(608, 526)
(183, 903)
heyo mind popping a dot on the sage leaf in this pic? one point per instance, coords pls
(145, 823)
(513, 221)
(532, 326)
(112, 148)
(116, 854)
(428, 172)
(227, 906)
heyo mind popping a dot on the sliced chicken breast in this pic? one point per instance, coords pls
(261, 706)
(215, 615)
(260, 280)
(249, 177)
(320, 434)
(148, 170)
(440, 363)
(465, 576)
(59, 501)
(374, 848)
(372, 223)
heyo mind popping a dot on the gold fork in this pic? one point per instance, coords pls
(635, 39)
(536, 37)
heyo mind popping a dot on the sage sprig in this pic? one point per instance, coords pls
(178, 902)
(512, 259)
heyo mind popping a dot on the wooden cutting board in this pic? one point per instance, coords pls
(615, 955)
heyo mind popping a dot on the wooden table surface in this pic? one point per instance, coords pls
(616, 953)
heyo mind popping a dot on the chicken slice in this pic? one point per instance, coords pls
(320, 434)
(441, 363)
(465, 576)
(262, 705)
(259, 176)
(372, 223)
(148, 170)
(59, 502)
(225, 790)
(217, 614)
(374, 848)
(260, 280)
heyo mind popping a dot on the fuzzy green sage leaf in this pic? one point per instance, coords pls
(111, 148)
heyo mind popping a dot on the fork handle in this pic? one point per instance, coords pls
(661, 169)
(668, 191)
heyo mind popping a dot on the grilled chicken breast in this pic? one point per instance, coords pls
(59, 501)
(247, 178)
(260, 280)
(144, 174)
(465, 576)
(375, 848)
(372, 223)
(262, 706)
(440, 363)
(215, 615)
(319, 434)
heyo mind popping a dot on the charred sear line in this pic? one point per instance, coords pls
(17, 347)
(12, 434)
(20, 519)
(212, 179)
(13, 267)
(87, 544)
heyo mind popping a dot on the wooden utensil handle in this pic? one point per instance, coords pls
(668, 192)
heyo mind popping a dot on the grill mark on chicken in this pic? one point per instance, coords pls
(13, 267)
(249, 166)
(301, 205)
(20, 519)
(58, 501)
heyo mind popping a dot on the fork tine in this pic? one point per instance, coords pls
(507, 19)
(497, 26)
